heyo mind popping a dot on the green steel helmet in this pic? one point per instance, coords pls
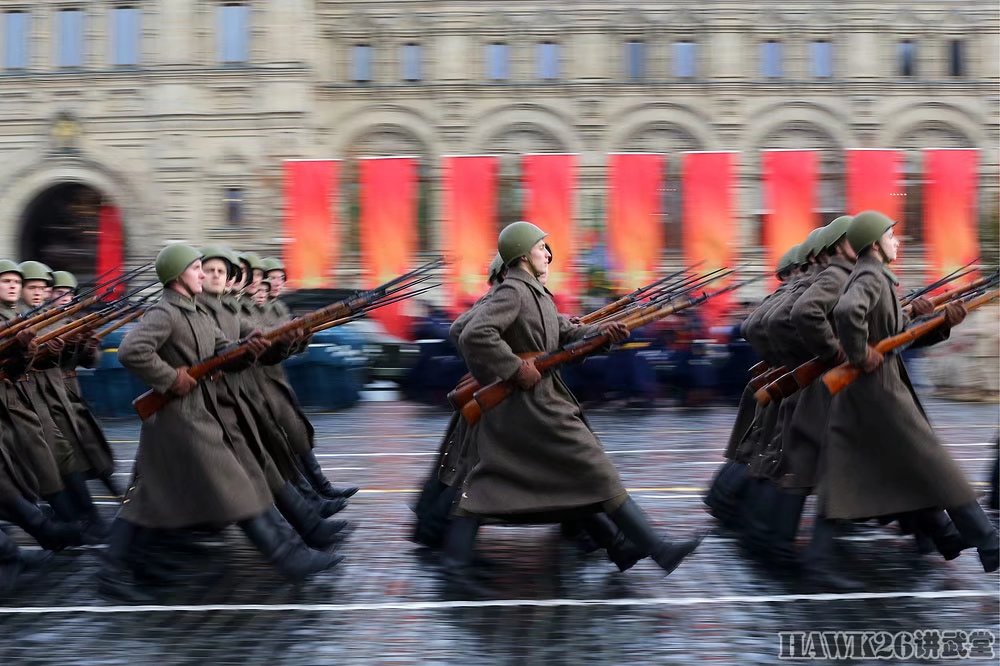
(35, 270)
(8, 266)
(494, 270)
(785, 263)
(517, 239)
(866, 228)
(64, 280)
(174, 260)
(254, 260)
(224, 253)
(799, 254)
(813, 243)
(273, 264)
(833, 232)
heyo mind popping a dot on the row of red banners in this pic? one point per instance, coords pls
(633, 227)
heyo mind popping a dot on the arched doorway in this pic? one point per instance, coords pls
(74, 227)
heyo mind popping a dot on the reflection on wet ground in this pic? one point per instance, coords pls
(386, 603)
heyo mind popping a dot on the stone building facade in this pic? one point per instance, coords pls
(180, 112)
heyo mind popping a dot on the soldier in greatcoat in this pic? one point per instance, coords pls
(188, 471)
(882, 457)
(537, 457)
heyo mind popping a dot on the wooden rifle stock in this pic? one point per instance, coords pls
(758, 368)
(111, 328)
(839, 378)
(765, 378)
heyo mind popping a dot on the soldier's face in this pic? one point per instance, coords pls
(538, 259)
(34, 292)
(258, 275)
(62, 295)
(890, 245)
(277, 279)
(216, 272)
(193, 278)
(10, 288)
(260, 296)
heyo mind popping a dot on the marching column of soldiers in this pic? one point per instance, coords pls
(224, 442)
(865, 449)
(235, 449)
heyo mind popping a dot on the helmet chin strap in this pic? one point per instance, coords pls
(184, 285)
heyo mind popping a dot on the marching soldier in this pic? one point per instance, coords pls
(882, 457)
(238, 417)
(537, 458)
(187, 471)
(72, 414)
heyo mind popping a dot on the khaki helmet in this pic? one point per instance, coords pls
(35, 270)
(64, 280)
(799, 254)
(224, 253)
(785, 263)
(273, 264)
(174, 260)
(866, 228)
(813, 244)
(517, 239)
(833, 232)
(8, 266)
(496, 266)
(254, 260)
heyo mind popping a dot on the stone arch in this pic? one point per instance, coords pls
(645, 127)
(762, 124)
(25, 182)
(374, 127)
(914, 126)
(523, 128)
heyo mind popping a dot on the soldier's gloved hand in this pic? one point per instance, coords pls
(25, 337)
(575, 321)
(183, 383)
(921, 307)
(873, 360)
(92, 346)
(257, 343)
(527, 375)
(954, 314)
(55, 346)
(615, 330)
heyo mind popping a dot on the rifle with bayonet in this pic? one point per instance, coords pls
(492, 395)
(151, 401)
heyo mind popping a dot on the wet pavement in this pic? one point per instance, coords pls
(386, 604)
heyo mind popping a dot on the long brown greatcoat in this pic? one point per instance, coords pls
(93, 443)
(536, 452)
(882, 456)
(22, 433)
(235, 412)
(278, 395)
(769, 459)
(186, 470)
(812, 316)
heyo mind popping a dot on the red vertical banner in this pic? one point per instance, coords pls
(310, 229)
(634, 229)
(875, 182)
(549, 182)
(950, 234)
(388, 229)
(789, 200)
(110, 249)
(708, 215)
(470, 225)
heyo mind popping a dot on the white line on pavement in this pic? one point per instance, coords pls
(500, 603)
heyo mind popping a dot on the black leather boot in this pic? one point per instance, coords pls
(935, 526)
(622, 552)
(458, 559)
(64, 506)
(50, 534)
(94, 524)
(113, 487)
(116, 578)
(816, 565)
(324, 507)
(975, 527)
(314, 530)
(14, 561)
(277, 541)
(634, 524)
(314, 473)
(785, 517)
